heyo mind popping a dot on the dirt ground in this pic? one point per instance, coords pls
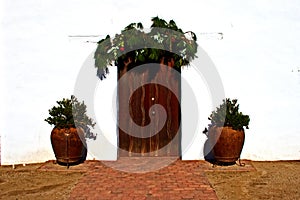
(271, 180)
(27, 182)
(268, 180)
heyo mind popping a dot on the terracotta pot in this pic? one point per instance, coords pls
(227, 143)
(67, 145)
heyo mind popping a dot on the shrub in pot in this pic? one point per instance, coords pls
(71, 128)
(226, 132)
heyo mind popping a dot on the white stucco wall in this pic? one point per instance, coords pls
(258, 62)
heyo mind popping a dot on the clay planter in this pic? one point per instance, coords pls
(67, 145)
(227, 143)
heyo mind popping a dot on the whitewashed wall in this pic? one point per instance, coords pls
(258, 61)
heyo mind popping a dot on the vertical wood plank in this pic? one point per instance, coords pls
(140, 103)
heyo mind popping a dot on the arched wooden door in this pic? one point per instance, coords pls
(167, 140)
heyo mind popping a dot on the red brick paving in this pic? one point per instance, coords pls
(179, 180)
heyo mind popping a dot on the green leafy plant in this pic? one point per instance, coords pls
(71, 113)
(227, 114)
(132, 46)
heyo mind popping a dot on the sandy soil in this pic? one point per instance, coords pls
(30, 183)
(271, 180)
(266, 180)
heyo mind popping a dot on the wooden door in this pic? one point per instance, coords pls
(166, 141)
